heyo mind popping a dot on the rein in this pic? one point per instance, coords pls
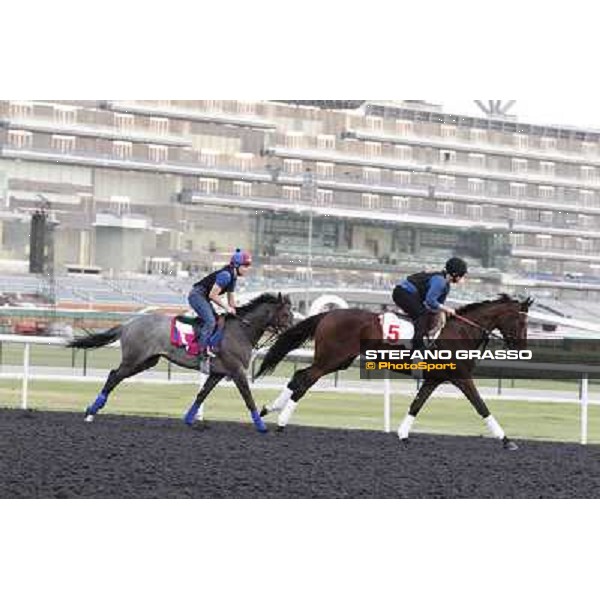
(487, 333)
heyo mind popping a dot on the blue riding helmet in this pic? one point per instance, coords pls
(241, 257)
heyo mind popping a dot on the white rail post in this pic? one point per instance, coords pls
(25, 376)
(584, 407)
(387, 406)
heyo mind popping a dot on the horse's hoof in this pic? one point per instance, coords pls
(280, 429)
(509, 444)
(264, 411)
(89, 418)
(404, 443)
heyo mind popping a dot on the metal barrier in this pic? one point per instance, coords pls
(584, 371)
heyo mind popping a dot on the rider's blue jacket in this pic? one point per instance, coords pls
(432, 288)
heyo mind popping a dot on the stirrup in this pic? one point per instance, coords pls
(208, 351)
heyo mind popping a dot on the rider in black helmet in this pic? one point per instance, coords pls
(422, 296)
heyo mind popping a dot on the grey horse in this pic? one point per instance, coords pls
(147, 338)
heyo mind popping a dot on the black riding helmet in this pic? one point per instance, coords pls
(456, 267)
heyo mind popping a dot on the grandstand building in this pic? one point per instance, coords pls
(326, 193)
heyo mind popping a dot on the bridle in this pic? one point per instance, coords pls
(275, 330)
(488, 333)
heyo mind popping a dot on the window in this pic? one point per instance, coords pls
(404, 127)
(403, 153)
(477, 160)
(588, 173)
(293, 139)
(516, 214)
(476, 186)
(447, 156)
(370, 201)
(208, 158)
(123, 121)
(529, 265)
(585, 221)
(518, 190)
(587, 198)
(543, 240)
(446, 182)
(212, 105)
(64, 115)
(588, 148)
(159, 125)
(326, 142)
(158, 153)
(584, 245)
(292, 166)
(243, 161)
(19, 138)
(546, 217)
(123, 150)
(325, 170)
(475, 211)
(246, 107)
(63, 143)
(402, 178)
(546, 192)
(448, 131)
(479, 136)
(521, 141)
(548, 143)
(120, 205)
(292, 193)
(445, 207)
(20, 110)
(324, 197)
(372, 149)
(519, 165)
(547, 168)
(208, 185)
(400, 203)
(517, 239)
(374, 123)
(242, 188)
(371, 175)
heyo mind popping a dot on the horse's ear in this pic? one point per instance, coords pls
(525, 304)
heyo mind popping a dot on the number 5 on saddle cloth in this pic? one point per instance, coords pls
(184, 333)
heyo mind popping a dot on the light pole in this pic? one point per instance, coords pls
(308, 193)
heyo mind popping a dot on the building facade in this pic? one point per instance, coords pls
(380, 188)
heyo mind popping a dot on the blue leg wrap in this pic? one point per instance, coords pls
(99, 403)
(190, 415)
(258, 422)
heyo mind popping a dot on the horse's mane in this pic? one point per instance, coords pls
(266, 298)
(502, 298)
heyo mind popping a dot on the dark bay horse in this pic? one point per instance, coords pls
(147, 338)
(338, 335)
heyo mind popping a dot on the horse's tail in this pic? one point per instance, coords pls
(96, 340)
(289, 340)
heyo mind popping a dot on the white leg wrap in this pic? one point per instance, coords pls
(405, 427)
(494, 427)
(281, 400)
(200, 413)
(286, 413)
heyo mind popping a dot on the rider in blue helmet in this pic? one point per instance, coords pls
(422, 296)
(211, 288)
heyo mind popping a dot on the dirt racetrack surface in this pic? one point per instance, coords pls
(57, 455)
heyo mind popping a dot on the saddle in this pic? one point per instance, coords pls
(397, 326)
(185, 329)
